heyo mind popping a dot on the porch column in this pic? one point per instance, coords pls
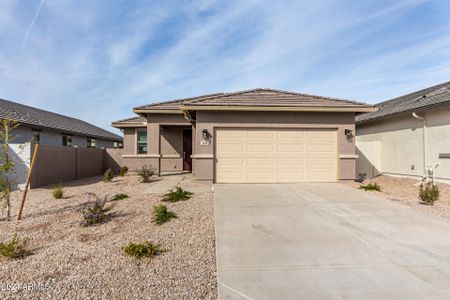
(153, 144)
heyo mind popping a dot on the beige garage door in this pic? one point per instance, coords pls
(276, 155)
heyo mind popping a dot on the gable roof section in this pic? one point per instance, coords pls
(419, 100)
(254, 99)
(137, 121)
(44, 119)
(172, 104)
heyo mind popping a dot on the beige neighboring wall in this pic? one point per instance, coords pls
(203, 158)
(399, 139)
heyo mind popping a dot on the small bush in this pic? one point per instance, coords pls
(15, 248)
(96, 212)
(108, 175)
(119, 196)
(371, 186)
(145, 173)
(146, 249)
(161, 215)
(123, 171)
(58, 192)
(428, 193)
(177, 195)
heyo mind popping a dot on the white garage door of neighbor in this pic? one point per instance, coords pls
(276, 155)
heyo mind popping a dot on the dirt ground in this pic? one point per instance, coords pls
(74, 262)
(406, 191)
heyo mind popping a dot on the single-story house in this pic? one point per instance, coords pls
(407, 135)
(252, 136)
(43, 127)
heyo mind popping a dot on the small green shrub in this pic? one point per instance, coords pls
(108, 175)
(145, 173)
(428, 193)
(96, 212)
(371, 186)
(58, 192)
(177, 195)
(161, 215)
(123, 171)
(146, 249)
(15, 248)
(119, 196)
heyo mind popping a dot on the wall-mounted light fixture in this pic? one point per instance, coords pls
(348, 134)
(205, 137)
(205, 134)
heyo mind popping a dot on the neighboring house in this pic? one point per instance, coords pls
(253, 136)
(407, 135)
(44, 127)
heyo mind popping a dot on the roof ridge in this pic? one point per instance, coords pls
(223, 95)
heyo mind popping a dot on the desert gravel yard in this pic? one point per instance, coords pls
(406, 191)
(75, 262)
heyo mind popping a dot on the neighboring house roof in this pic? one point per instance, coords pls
(261, 98)
(44, 119)
(420, 100)
(130, 122)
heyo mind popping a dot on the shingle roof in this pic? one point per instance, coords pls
(257, 97)
(429, 97)
(45, 119)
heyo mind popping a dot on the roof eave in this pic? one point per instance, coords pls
(282, 108)
(157, 111)
(137, 124)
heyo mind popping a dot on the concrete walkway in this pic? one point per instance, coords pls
(326, 241)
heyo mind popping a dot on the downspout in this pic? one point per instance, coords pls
(424, 141)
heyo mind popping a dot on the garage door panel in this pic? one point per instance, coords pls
(291, 175)
(292, 134)
(257, 176)
(290, 162)
(320, 134)
(230, 133)
(291, 148)
(322, 147)
(276, 155)
(260, 133)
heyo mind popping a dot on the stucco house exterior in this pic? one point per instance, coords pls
(407, 135)
(37, 126)
(252, 136)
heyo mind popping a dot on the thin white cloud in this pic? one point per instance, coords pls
(30, 28)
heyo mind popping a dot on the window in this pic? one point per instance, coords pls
(91, 143)
(36, 137)
(67, 140)
(142, 142)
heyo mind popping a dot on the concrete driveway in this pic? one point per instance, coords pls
(326, 241)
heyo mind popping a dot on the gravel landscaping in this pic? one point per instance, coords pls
(406, 190)
(74, 262)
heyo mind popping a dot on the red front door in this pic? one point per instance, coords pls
(187, 149)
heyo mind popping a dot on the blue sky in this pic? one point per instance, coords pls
(96, 60)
